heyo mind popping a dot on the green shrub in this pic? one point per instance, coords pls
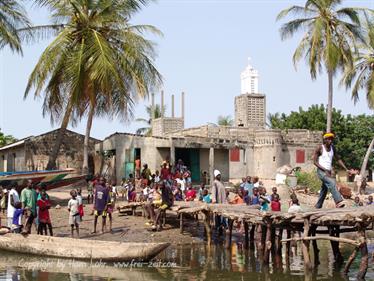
(309, 180)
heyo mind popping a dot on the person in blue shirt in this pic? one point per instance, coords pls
(206, 196)
(255, 199)
(17, 218)
(248, 186)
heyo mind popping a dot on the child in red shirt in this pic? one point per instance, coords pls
(275, 204)
(43, 214)
(190, 194)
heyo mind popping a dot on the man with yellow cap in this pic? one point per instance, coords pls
(323, 157)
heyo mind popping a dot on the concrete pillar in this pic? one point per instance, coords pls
(211, 164)
(172, 152)
(153, 106)
(182, 104)
(172, 106)
(162, 104)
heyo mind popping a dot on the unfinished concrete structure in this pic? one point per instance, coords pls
(32, 153)
(248, 149)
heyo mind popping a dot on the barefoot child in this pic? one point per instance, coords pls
(43, 214)
(74, 218)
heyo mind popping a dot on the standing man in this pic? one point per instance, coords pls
(218, 189)
(28, 200)
(101, 200)
(218, 197)
(13, 199)
(323, 157)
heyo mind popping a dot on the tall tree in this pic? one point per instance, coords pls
(12, 18)
(147, 130)
(353, 133)
(361, 75)
(225, 120)
(331, 34)
(96, 53)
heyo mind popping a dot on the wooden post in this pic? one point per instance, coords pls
(288, 246)
(211, 165)
(315, 246)
(246, 236)
(252, 237)
(278, 249)
(364, 254)
(181, 222)
(334, 231)
(268, 243)
(350, 260)
(305, 245)
(229, 233)
(207, 227)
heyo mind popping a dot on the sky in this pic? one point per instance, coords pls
(205, 46)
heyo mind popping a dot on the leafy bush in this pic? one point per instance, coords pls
(309, 180)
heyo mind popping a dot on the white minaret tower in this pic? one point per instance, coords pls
(249, 80)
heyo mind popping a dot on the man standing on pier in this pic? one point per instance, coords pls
(219, 197)
(323, 157)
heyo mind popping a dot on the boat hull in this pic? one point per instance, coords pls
(80, 249)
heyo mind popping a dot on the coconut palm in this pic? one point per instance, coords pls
(96, 55)
(225, 120)
(361, 75)
(12, 17)
(147, 130)
(331, 34)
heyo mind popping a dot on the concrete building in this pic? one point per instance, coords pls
(245, 149)
(235, 151)
(250, 106)
(31, 153)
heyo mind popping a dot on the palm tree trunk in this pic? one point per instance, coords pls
(51, 165)
(366, 159)
(87, 138)
(329, 101)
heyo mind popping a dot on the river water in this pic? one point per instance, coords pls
(181, 262)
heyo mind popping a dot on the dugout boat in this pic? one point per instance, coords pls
(80, 249)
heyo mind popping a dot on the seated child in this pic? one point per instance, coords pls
(255, 199)
(264, 200)
(275, 204)
(206, 196)
(190, 194)
(356, 202)
(295, 206)
(370, 200)
(238, 199)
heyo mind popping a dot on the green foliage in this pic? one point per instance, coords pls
(12, 18)
(225, 120)
(309, 180)
(361, 75)
(6, 139)
(353, 133)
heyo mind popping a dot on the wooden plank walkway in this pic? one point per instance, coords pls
(269, 227)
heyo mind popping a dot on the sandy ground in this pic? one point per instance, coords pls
(126, 228)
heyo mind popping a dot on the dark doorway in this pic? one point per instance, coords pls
(190, 158)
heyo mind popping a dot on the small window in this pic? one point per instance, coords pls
(235, 155)
(273, 158)
(300, 156)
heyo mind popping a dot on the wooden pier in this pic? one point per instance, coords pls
(266, 230)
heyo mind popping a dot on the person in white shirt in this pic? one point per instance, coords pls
(182, 183)
(13, 198)
(295, 207)
(322, 158)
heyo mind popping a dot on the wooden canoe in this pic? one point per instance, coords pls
(81, 249)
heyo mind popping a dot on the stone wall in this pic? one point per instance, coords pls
(250, 110)
(38, 149)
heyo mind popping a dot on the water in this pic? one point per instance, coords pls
(181, 262)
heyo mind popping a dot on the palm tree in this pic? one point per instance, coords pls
(147, 131)
(363, 69)
(225, 120)
(363, 72)
(331, 33)
(12, 18)
(96, 54)
(6, 139)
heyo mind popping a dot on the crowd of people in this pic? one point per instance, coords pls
(158, 191)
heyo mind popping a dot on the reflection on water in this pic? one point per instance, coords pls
(185, 262)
